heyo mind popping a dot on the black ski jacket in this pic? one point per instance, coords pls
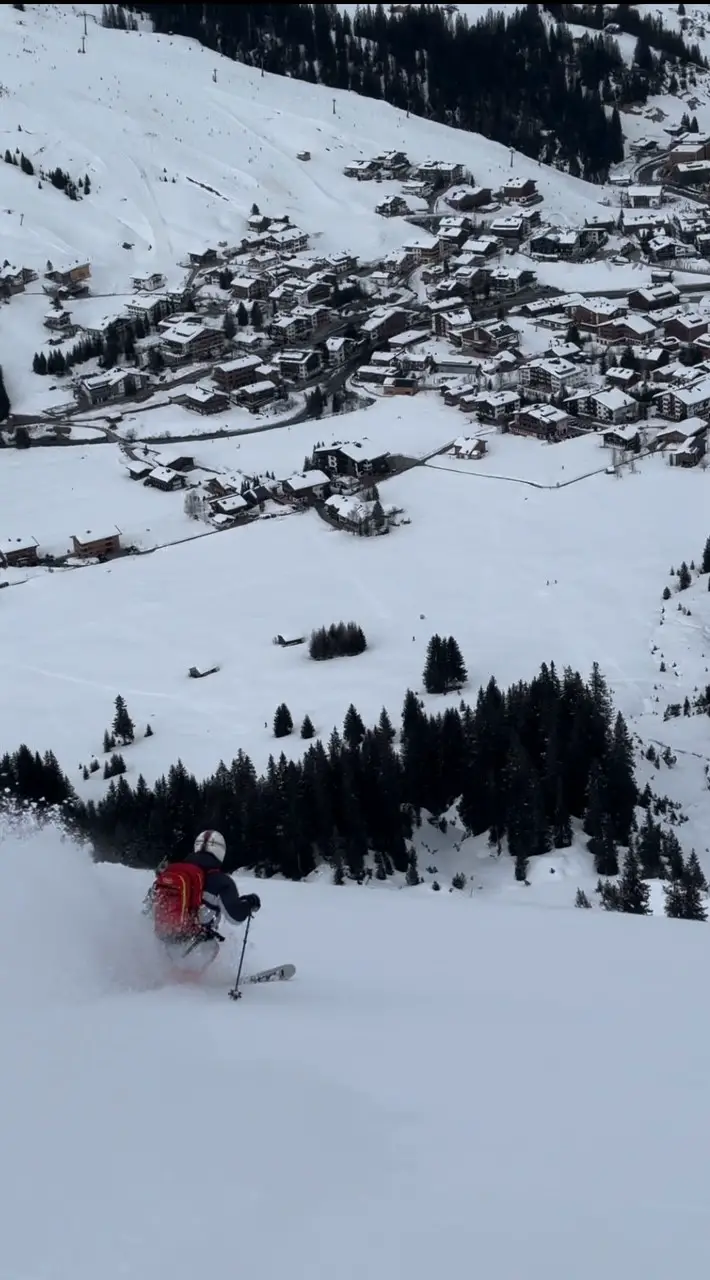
(220, 891)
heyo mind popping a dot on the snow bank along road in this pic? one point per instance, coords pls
(445, 1088)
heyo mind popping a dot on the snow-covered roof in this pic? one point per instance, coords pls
(232, 504)
(259, 388)
(163, 474)
(10, 545)
(545, 412)
(362, 452)
(243, 363)
(613, 399)
(307, 480)
(693, 395)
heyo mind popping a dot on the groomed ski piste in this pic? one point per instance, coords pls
(445, 1089)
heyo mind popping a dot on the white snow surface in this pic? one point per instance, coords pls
(444, 1086)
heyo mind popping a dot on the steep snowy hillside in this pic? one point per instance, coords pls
(445, 1089)
(179, 143)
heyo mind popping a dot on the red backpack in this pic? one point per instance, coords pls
(177, 897)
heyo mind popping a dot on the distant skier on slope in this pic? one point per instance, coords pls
(187, 899)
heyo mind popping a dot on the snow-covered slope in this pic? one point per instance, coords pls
(446, 1089)
(176, 159)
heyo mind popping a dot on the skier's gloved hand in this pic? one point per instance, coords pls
(253, 902)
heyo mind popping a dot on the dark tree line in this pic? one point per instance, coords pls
(117, 343)
(519, 765)
(509, 77)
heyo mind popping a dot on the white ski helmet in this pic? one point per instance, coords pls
(211, 842)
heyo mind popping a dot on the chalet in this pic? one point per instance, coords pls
(555, 244)
(247, 288)
(59, 321)
(451, 239)
(351, 460)
(183, 463)
(401, 384)
(299, 366)
(363, 170)
(423, 248)
(303, 155)
(469, 448)
(614, 406)
(148, 306)
(648, 359)
(204, 400)
(685, 447)
(643, 197)
(592, 313)
(166, 479)
(520, 188)
(89, 548)
(138, 470)
(693, 173)
(690, 147)
(12, 280)
(338, 351)
(654, 298)
(232, 374)
(76, 274)
(598, 227)
(146, 284)
(208, 258)
(287, 639)
(630, 331)
(489, 337)
(231, 506)
(393, 207)
(510, 228)
(508, 280)
(686, 328)
(467, 197)
(291, 240)
(383, 323)
(310, 486)
(621, 377)
(545, 421)
(393, 163)
(444, 322)
(256, 394)
(340, 264)
(662, 248)
(439, 171)
(375, 373)
(112, 384)
(482, 247)
(678, 403)
(496, 406)
(549, 375)
(642, 223)
(257, 496)
(18, 553)
(626, 438)
(185, 342)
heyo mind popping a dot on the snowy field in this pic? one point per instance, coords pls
(519, 575)
(431, 1093)
(51, 493)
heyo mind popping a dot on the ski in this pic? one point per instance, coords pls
(279, 973)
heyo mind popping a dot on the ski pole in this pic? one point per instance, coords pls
(235, 992)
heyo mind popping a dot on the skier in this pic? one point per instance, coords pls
(187, 900)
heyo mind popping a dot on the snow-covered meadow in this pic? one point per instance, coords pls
(445, 1084)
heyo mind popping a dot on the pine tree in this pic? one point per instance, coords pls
(353, 728)
(412, 875)
(693, 874)
(307, 730)
(108, 743)
(434, 677)
(229, 328)
(675, 900)
(242, 315)
(582, 900)
(123, 727)
(149, 731)
(705, 562)
(283, 722)
(684, 578)
(634, 895)
(385, 727)
(456, 673)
